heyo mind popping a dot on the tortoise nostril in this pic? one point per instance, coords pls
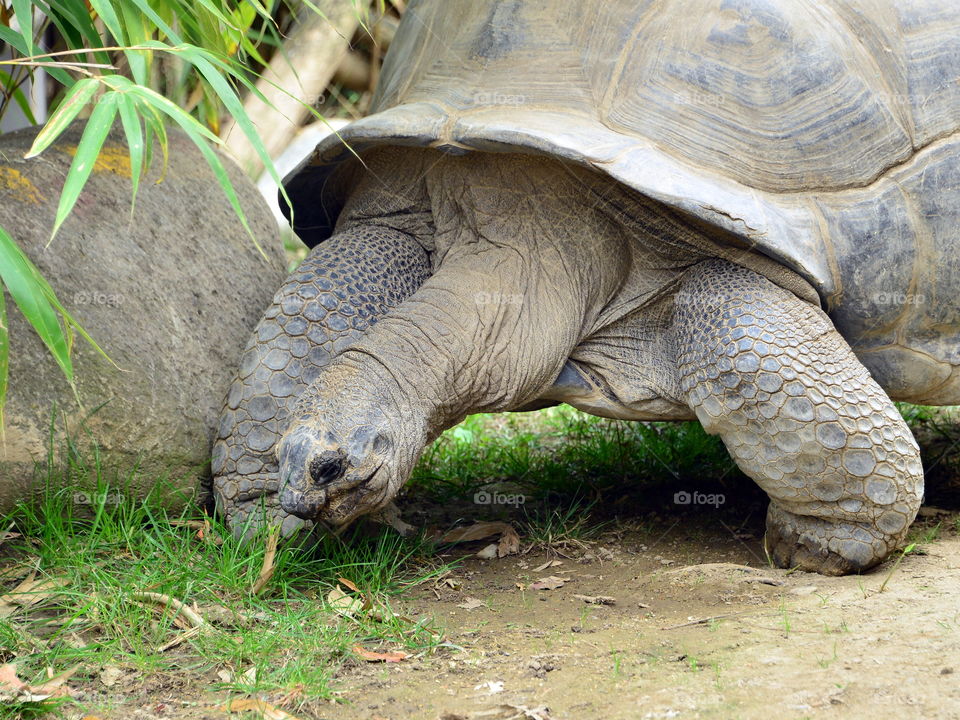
(328, 466)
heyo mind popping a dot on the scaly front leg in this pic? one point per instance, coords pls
(801, 416)
(339, 291)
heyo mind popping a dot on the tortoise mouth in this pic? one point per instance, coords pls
(323, 503)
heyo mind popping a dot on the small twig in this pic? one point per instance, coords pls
(703, 621)
(186, 635)
(179, 608)
(6, 533)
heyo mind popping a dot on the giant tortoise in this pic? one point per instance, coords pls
(740, 211)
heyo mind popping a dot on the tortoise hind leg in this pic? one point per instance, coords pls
(341, 288)
(800, 415)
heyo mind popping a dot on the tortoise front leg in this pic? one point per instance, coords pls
(489, 331)
(801, 416)
(329, 301)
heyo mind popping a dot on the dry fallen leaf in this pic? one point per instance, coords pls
(509, 540)
(370, 656)
(548, 564)
(509, 543)
(110, 674)
(343, 604)
(8, 534)
(471, 603)
(269, 712)
(503, 712)
(9, 679)
(596, 599)
(552, 582)
(29, 592)
(13, 689)
(349, 584)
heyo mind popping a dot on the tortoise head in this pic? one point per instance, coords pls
(342, 455)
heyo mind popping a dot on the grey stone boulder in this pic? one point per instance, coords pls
(170, 292)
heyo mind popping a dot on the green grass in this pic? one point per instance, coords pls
(284, 642)
(100, 547)
(562, 453)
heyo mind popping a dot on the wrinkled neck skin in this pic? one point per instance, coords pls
(526, 257)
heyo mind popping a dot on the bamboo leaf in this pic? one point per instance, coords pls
(10, 37)
(134, 132)
(23, 12)
(234, 106)
(172, 110)
(28, 292)
(73, 20)
(107, 13)
(216, 12)
(16, 42)
(199, 135)
(152, 15)
(94, 135)
(137, 33)
(74, 101)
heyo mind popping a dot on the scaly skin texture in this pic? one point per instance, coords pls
(335, 295)
(801, 416)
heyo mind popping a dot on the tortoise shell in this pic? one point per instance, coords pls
(822, 133)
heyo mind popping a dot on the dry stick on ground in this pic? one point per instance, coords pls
(703, 621)
(303, 68)
(180, 610)
(7, 534)
(266, 572)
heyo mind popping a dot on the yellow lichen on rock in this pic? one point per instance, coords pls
(111, 159)
(15, 183)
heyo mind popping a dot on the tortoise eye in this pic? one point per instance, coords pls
(328, 466)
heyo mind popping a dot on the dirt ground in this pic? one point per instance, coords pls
(781, 645)
(693, 624)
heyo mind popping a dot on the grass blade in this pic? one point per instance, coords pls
(94, 135)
